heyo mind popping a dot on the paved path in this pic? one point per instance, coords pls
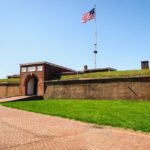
(20, 130)
(17, 98)
(13, 98)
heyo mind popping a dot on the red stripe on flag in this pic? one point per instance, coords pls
(88, 16)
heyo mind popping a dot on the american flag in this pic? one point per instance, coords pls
(88, 16)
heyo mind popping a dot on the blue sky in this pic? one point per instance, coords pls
(51, 30)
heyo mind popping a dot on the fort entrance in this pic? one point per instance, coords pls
(32, 86)
(34, 75)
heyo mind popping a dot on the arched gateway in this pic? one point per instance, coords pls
(34, 75)
(32, 85)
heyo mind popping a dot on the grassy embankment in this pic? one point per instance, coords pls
(120, 113)
(14, 80)
(111, 74)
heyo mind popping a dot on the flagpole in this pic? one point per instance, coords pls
(95, 36)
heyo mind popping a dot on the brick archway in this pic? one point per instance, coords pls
(42, 71)
(31, 85)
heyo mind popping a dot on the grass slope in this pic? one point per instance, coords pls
(111, 74)
(126, 114)
(13, 80)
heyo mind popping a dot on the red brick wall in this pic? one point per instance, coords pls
(120, 88)
(24, 80)
(51, 71)
(9, 90)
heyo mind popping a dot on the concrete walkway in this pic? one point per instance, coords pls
(13, 98)
(20, 130)
(17, 98)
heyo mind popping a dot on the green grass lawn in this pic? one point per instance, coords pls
(118, 113)
(111, 74)
(13, 80)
